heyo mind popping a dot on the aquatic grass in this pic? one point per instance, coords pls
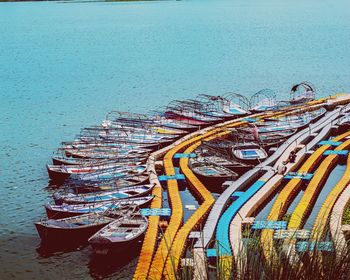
(346, 216)
(251, 264)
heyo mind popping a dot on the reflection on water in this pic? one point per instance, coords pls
(101, 266)
(46, 250)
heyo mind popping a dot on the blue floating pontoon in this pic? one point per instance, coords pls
(250, 120)
(269, 225)
(171, 177)
(184, 155)
(330, 142)
(296, 175)
(222, 231)
(211, 253)
(336, 152)
(237, 194)
(291, 234)
(163, 212)
(304, 246)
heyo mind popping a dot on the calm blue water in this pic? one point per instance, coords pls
(64, 65)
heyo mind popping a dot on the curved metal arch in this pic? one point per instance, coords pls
(303, 89)
(265, 96)
(158, 113)
(203, 97)
(174, 104)
(237, 98)
(183, 105)
(210, 103)
(115, 115)
(127, 119)
(193, 104)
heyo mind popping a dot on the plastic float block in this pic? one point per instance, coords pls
(291, 234)
(184, 155)
(330, 142)
(269, 225)
(296, 175)
(304, 246)
(163, 212)
(336, 152)
(171, 177)
(250, 120)
(211, 253)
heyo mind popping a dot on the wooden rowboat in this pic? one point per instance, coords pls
(69, 210)
(77, 229)
(122, 234)
(121, 193)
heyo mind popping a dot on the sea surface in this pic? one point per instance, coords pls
(64, 65)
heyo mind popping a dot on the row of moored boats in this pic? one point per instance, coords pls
(100, 179)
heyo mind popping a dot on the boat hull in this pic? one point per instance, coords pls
(105, 246)
(122, 193)
(74, 235)
(57, 175)
(87, 187)
(57, 213)
(187, 120)
(53, 214)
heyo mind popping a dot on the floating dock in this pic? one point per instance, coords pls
(286, 154)
(221, 221)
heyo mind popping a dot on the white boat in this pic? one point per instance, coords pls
(249, 153)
